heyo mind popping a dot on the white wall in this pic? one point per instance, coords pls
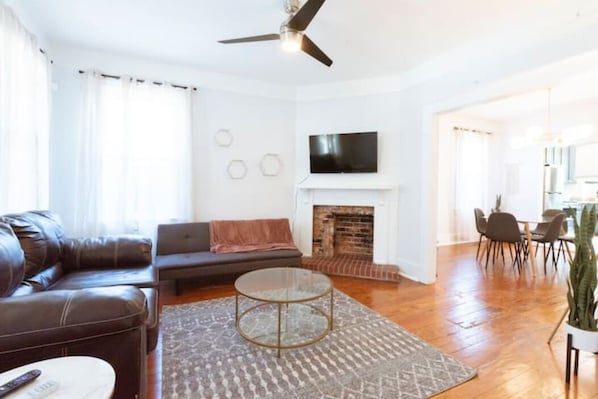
(355, 114)
(259, 124)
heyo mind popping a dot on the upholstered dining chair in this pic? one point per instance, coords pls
(550, 236)
(565, 238)
(502, 228)
(541, 228)
(480, 225)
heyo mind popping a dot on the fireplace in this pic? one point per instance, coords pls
(382, 198)
(343, 230)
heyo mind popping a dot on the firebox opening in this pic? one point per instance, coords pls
(343, 230)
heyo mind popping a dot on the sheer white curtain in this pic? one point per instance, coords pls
(134, 156)
(24, 117)
(471, 181)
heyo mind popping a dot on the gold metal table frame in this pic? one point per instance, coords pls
(284, 287)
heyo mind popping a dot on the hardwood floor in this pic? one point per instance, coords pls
(496, 320)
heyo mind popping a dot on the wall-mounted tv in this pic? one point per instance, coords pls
(344, 153)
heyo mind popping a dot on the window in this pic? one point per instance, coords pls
(471, 180)
(134, 156)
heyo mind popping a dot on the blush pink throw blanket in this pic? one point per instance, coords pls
(250, 235)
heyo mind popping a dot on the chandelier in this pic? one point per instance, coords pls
(550, 138)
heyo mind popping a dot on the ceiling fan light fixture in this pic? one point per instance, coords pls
(291, 39)
(291, 34)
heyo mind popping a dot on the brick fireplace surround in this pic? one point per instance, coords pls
(343, 230)
(342, 243)
(379, 260)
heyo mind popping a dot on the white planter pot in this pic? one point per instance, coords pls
(582, 339)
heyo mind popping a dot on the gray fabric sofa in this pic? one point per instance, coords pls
(183, 251)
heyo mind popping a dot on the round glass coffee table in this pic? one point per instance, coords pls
(285, 310)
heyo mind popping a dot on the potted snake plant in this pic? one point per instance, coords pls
(582, 323)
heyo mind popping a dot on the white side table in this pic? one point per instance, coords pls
(82, 377)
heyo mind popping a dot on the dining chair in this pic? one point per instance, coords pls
(480, 225)
(565, 238)
(541, 228)
(550, 236)
(502, 228)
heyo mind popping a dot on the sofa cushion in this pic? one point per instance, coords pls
(46, 278)
(41, 237)
(54, 316)
(209, 258)
(108, 252)
(12, 261)
(137, 276)
(183, 238)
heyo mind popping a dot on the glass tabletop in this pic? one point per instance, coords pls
(283, 284)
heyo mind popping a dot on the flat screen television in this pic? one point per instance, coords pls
(344, 153)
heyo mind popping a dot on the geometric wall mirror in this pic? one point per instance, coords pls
(270, 165)
(236, 169)
(223, 137)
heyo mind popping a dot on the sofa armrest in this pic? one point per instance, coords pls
(110, 252)
(63, 316)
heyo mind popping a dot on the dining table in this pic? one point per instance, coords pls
(526, 223)
(528, 236)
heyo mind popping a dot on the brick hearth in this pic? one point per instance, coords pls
(352, 265)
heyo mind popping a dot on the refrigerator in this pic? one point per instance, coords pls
(554, 183)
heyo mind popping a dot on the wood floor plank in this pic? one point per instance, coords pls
(495, 319)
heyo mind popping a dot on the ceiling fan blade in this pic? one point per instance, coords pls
(309, 47)
(260, 38)
(303, 17)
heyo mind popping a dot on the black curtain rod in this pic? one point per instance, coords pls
(104, 75)
(41, 50)
(464, 129)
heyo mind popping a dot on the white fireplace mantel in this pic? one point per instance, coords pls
(345, 186)
(380, 195)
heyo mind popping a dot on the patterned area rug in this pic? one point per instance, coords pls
(365, 356)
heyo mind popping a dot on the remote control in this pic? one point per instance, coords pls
(18, 382)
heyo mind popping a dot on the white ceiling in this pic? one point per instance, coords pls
(364, 38)
(577, 88)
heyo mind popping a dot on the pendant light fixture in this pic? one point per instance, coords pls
(549, 138)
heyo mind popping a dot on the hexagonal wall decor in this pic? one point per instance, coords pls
(223, 138)
(270, 165)
(236, 169)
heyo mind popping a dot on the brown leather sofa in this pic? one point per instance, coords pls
(92, 296)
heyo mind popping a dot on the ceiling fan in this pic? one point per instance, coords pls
(291, 33)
